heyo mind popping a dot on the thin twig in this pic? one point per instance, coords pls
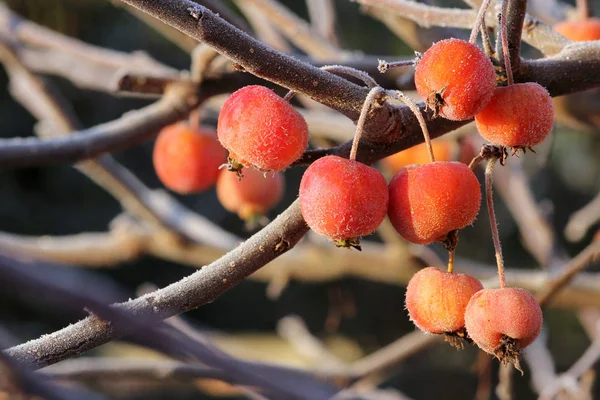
(489, 196)
(264, 29)
(505, 45)
(582, 220)
(583, 9)
(296, 30)
(413, 107)
(479, 21)
(582, 261)
(322, 17)
(370, 100)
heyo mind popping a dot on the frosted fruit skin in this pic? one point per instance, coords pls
(580, 31)
(494, 313)
(466, 73)
(436, 300)
(444, 150)
(342, 199)
(187, 160)
(254, 194)
(261, 129)
(428, 201)
(519, 115)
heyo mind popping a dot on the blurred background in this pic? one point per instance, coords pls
(352, 316)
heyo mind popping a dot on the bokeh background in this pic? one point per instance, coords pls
(356, 316)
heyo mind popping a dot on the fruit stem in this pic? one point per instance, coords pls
(504, 38)
(373, 93)
(413, 107)
(583, 9)
(489, 170)
(451, 261)
(384, 66)
(479, 20)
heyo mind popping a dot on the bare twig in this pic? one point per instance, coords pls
(40, 37)
(582, 220)
(322, 17)
(504, 390)
(295, 331)
(297, 30)
(575, 266)
(489, 197)
(264, 29)
(536, 33)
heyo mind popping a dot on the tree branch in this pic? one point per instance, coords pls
(515, 16)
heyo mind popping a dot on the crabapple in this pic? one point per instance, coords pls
(519, 115)
(580, 30)
(456, 78)
(343, 199)
(436, 300)
(252, 195)
(187, 159)
(503, 321)
(429, 201)
(261, 129)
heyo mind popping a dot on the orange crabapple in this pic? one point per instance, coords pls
(580, 30)
(436, 300)
(429, 201)
(187, 159)
(343, 199)
(250, 196)
(520, 115)
(503, 321)
(456, 78)
(261, 129)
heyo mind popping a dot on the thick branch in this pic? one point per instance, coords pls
(131, 129)
(199, 288)
(515, 16)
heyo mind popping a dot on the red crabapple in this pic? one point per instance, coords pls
(187, 159)
(503, 321)
(519, 116)
(456, 78)
(251, 196)
(436, 300)
(343, 199)
(429, 201)
(580, 30)
(261, 129)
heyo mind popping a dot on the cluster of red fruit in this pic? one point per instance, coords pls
(188, 159)
(343, 199)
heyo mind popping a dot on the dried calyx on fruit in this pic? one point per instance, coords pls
(261, 129)
(187, 158)
(503, 321)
